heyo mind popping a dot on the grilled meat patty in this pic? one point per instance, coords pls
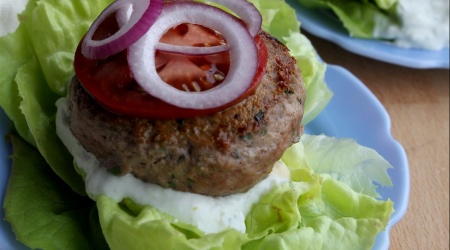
(220, 154)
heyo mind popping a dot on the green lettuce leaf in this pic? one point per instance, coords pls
(360, 17)
(342, 159)
(55, 29)
(39, 109)
(15, 51)
(147, 228)
(36, 65)
(43, 211)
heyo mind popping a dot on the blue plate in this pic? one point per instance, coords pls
(325, 25)
(354, 112)
(7, 238)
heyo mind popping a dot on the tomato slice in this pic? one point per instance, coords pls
(110, 82)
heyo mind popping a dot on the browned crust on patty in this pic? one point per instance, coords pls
(220, 154)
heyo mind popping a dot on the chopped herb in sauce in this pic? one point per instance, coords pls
(172, 182)
(115, 170)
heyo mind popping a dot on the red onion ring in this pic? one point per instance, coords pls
(243, 8)
(246, 11)
(143, 15)
(190, 50)
(123, 15)
(243, 54)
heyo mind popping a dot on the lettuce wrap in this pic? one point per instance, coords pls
(314, 211)
(329, 204)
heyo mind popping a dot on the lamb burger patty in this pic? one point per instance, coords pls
(220, 154)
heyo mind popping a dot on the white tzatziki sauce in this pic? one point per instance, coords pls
(209, 214)
(424, 24)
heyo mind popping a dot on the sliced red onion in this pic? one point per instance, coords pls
(143, 15)
(243, 8)
(191, 50)
(123, 15)
(242, 49)
(246, 11)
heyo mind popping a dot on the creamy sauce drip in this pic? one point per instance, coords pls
(210, 214)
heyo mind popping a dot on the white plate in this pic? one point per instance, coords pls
(325, 25)
(354, 112)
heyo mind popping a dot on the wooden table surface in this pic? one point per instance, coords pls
(418, 103)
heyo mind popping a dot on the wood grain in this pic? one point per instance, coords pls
(418, 103)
